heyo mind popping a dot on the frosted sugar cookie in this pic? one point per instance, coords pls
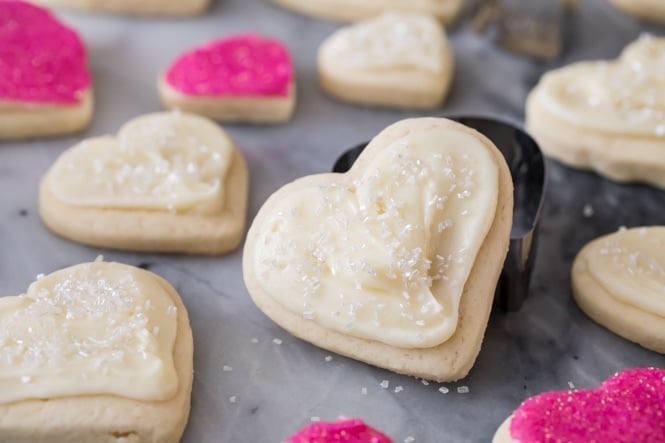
(45, 85)
(399, 59)
(168, 182)
(99, 352)
(351, 430)
(618, 281)
(351, 10)
(395, 262)
(627, 407)
(244, 77)
(608, 116)
(652, 10)
(144, 7)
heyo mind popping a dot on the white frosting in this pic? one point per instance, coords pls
(389, 41)
(166, 161)
(630, 266)
(625, 96)
(93, 329)
(383, 253)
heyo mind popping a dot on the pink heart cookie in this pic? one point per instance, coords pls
(244, 77)
(45, 85)
(628, 407)
(350, 430)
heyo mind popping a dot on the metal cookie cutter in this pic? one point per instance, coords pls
(527, 168)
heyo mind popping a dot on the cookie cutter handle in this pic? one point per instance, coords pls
(515, 280)
(527, 169)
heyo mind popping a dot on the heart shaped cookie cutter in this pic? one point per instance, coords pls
(527, 167)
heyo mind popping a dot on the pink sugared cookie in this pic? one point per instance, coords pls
(244, 77)
(45, 85)
(629, 407)
(350, 430)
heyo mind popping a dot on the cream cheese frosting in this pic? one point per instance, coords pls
(383, 252)
(92, 329)
(165, 161)
(391, 40)
(624, 96)
(630, 266)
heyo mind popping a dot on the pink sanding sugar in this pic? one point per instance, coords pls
(240, 65)
(350, 430)
(628, 407)
(41, 60)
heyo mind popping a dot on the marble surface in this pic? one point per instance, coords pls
(277, 388)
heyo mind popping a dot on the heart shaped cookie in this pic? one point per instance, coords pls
(618, 281)
(350, 430)
(606, 116)
(143, 7)
(398, 59)
(395, 262)
(627, 407)
(169, 182)
(351, 10)
(96, 352)
(45, 85)
(651, 10)
(243, 77)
